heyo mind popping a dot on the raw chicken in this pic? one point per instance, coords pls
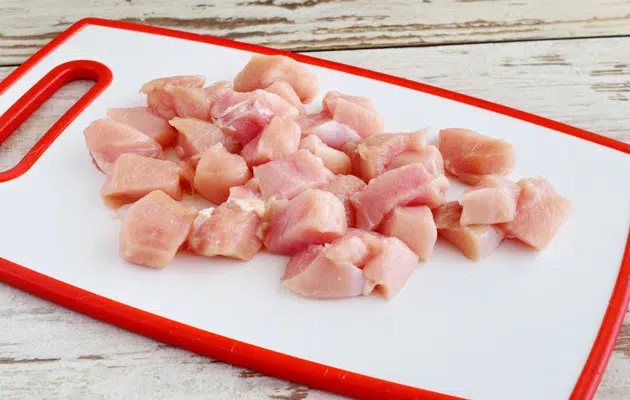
(154, 229)
(430, 157)
(474, 241)
(278, 139)
(107, 139)
(189, 102)
(134, 176)
(248, 199)
(290, 176)
(471, 156)
(287, 92)
(331, 132)
(262, 71)
(372, 156)
(196, 136)
(228, 230)
(408, 185)
(414, 226)
(244, 115)
(144, 120)
(345, 187)
(492, 201)
(313, 217)
(160, 101)
(178, 80)
(218, 170)
(539, 213)
(216, 90)
(355, 112)
(336, 161)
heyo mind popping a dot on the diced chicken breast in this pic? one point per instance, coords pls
(492, 201)
(161, 102)
(313, 217)
(336, 161)
(196, 136)
(290, 176)
(358, 113)
(107, 139)
(247, 199)
(373, 155)
(414, 226)
(134, 176)
(178, 80)
(216, 90)
(154, 229)
(390, 268)
(345, 187)
(286, 91)
(474, 241)
(144, 120)
(262, 71)
(189, 102)
(278, 139)
(218, 170)
(430, 157)
(331, 99)
(540, 212)
(471, 156)
(408, 185)
(245, 115)
(331, 132)
(227, 230)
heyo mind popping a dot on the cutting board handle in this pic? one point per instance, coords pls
(42, 91)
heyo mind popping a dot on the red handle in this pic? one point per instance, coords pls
(38, 94)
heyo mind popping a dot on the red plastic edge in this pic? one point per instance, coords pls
(270, 362)
(38, 94)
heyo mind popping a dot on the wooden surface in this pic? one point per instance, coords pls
(49, 352)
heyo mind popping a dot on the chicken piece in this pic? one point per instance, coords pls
(540, 212)
(189, 102)
(144, 120)
(160, 101)
(216, 90)
(290, 176)
(218, 170)
(373, 155)
(196, 136)
(471, 157)
(228, 230)
(390, 267)
(178, 80)
(331, 132)
(154, 229)
(313, 217)
(248, 199)
(286, 91)
(245, 115)
(492, 201)
(414, 226)
(430, 157)
(336, 161)
(405, 186)
(134, 176)
(107, 139)
(345, 187)
(474, 241)
(355, 112)
(278, 139)
(262, 71)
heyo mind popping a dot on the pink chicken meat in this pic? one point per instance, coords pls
(313, 217)
(429, 156)
(358, 113)
(135, 176)
(160, 100)
(196, 136)
(331, 132)
(336, 161)
(278, 139)
(474, 241)
(414, 226)
(492, 201)
(154, 229)
(144, 120)
(218, 170)
(263, 71)
(540, 212)
(471, 156)
(286, 91)
(107, 139)
(345, 187)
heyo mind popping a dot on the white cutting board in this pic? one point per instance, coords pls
(517, 325)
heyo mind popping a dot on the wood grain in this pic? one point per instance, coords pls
(25, 25)
(49, 352)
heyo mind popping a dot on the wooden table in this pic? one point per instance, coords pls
(566, 61)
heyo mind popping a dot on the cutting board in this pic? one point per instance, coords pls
(519, 324)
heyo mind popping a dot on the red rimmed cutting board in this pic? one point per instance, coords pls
(518, 325)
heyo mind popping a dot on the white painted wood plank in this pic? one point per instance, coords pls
(25, 25)
(47, 351)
